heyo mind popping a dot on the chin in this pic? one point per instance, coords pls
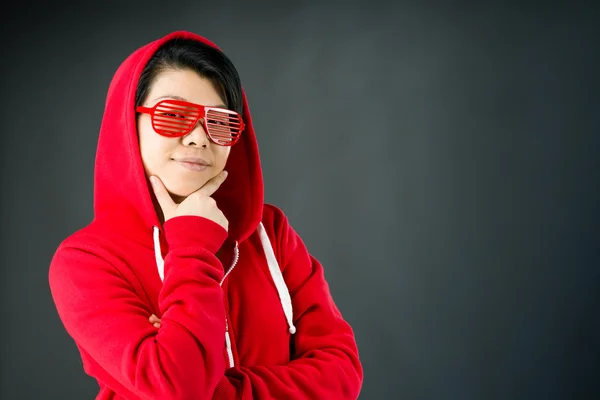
(184, 191)
(182, 186)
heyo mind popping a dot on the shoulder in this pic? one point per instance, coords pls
(79, 257)
(276, 222)
(280, 231)
(86, 240)
(273, 215)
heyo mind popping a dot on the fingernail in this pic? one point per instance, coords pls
(153, 181)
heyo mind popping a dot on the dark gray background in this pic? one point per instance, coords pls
(442, 162)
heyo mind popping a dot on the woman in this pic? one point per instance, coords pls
(186, 285)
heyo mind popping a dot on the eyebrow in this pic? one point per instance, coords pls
(172, 96)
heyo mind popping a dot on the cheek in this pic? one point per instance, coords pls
(154, 149)
(222, 154)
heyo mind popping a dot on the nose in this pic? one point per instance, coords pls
(197, 136)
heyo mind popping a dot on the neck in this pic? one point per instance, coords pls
(159, 212)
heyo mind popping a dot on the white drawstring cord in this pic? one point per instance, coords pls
(160, 263)
(284, 294)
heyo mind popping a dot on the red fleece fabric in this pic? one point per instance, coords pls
(105, 283)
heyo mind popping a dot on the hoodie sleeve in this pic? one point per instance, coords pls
(108, 321)
(325, 364)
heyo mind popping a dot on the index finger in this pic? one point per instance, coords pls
(213, 184)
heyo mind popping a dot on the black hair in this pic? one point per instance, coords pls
(208, 62)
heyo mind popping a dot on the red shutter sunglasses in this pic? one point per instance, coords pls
(176, 118)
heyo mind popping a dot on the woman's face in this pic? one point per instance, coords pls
(162, 156)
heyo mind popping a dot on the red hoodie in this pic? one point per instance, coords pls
(266, 329)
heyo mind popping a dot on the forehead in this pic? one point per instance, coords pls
(184, 84)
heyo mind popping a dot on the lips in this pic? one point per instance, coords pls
(193, 163)
(193, 160)
(192, 166)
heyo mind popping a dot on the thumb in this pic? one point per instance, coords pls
(162, 195)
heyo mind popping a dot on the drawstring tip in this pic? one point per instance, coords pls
(292, 329)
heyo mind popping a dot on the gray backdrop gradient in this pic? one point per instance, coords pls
(442, 162)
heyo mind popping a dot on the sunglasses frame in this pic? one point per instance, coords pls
(202, 115)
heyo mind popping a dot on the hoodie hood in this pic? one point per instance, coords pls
(121, 188)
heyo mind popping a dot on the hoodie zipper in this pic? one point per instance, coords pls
(236, 257)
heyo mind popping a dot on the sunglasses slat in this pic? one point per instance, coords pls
(224, 139)
(175, 106)
(220, 115)
(229, 122)
(226, 124)
(221, 134)
(221, 127)
(187, 121)
(178, 120)
(221, 111)
(185, 113)
(229, 128)
(172, 126)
